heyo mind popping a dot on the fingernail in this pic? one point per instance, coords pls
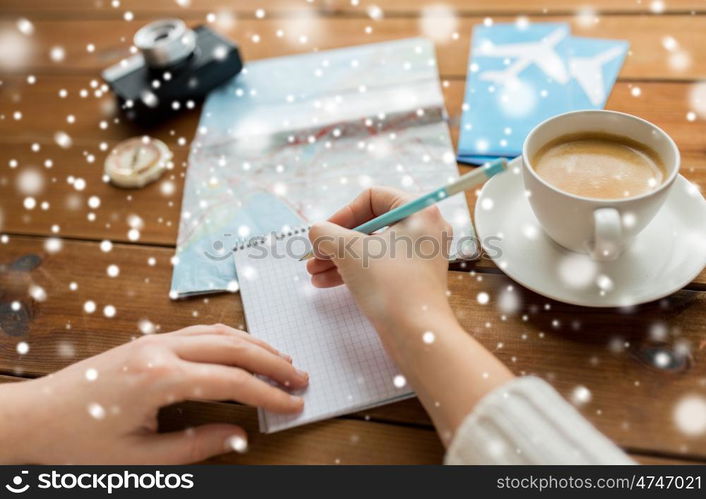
(286, 357)
(298, 401)
(303, 374)
(238, 443)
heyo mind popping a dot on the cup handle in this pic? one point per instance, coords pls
(608, 235)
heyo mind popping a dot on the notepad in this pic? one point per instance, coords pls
(322, 329)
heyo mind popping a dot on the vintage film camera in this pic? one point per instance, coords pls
(176, 67)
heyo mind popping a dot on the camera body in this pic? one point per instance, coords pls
(176, 68)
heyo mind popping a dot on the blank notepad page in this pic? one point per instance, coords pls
(322, 329)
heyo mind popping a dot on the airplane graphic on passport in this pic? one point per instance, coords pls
(541, 53)
(521, 74)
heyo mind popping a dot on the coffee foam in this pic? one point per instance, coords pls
(599, 166)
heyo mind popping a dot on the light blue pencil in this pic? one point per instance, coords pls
(463, 183)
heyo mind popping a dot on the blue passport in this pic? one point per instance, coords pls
(520, 74)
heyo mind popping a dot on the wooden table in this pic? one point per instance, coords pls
(606, 351)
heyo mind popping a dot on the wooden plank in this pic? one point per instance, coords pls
(649, 59)
(337, 441)
(340, 441)
(522, 6)
(663, 460)
(569, 346)
(603, 350)
(94, 118)
(102, 8)
(158, 205)
(664, 104)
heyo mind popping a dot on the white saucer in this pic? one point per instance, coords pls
(664, 257)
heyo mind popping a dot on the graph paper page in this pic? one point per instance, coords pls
(322, 329)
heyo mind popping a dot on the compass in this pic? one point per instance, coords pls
(136, 162)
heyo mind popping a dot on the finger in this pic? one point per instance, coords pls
(216, 382)
(316, 265)
(194, 444)
(329, 279)
(331, 241)
(369, 204)
(190, 330)
(234, 351)
(320, 262)
(223, 330)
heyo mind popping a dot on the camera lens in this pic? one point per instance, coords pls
(165, 42)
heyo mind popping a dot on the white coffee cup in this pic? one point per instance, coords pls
(602, 228)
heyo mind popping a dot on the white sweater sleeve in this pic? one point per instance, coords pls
(527, 422)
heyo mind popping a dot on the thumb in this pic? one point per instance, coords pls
(195, 444)
(332, 242)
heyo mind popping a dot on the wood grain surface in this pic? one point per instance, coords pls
(610, 352)
(246, 8)
(112, 38)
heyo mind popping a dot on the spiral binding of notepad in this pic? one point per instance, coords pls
(254, 241)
